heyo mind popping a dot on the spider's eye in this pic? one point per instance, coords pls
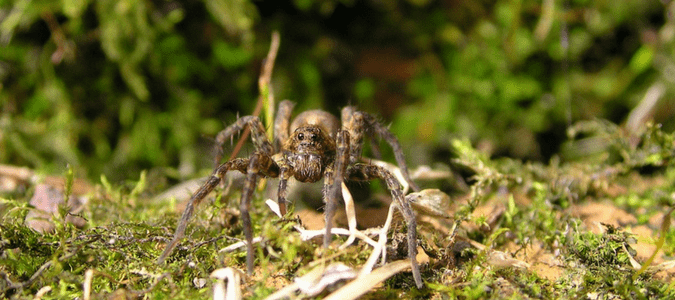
(301, 136)
(314, 137)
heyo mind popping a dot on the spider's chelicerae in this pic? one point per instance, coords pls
(312, 147)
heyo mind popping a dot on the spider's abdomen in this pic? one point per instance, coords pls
(306, 167)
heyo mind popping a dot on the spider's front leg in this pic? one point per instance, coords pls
(282, 123)
(262, 144)
(282, 192)
(358, 123)
(335, 174)
(363, 172)
(260, 164)
(218, 174)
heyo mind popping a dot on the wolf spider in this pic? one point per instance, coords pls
(315, 147)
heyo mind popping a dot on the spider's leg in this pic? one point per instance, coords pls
(398, 151)
(352, 121)
(262, 144)
(369, 172)
(217, 175)
(260, 164)
(334, 179)
(282, 123)
(284, 175)
(358, 122)
(374, 146)
(245, 205)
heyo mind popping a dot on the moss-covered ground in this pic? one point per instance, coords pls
(516, 230)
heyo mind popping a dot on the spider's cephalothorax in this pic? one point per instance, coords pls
(312, 147)
(308, 152)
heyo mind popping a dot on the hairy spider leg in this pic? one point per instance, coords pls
(260, 164)
(374, 146)
(367, 172)
(352, 121)
(333, 182)
(258, 137)
(282, 123)
(398, 152)
(264, 165)
(245, 206)
(358, 122)
(218, 174)
(282, 192)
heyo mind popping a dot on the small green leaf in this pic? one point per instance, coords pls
(642, 59)
(230, 57)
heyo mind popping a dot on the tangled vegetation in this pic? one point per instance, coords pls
(520, 230)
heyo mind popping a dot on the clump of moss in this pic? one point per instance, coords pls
(603, 250)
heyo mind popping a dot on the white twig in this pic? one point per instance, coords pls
(238, 245)
(362, 285)
(233, 290)
(314, 282)
(88, 275)
(310, 234)
(286, 292)
(42, 291)
(639, 115)
(351, 218)
(381, 243)
(274, 206)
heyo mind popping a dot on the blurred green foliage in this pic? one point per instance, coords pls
(117, 86)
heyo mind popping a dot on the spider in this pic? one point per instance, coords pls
(312, 147)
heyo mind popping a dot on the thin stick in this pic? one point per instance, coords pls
(265, 92)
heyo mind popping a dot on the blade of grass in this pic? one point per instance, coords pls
(665, 226)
